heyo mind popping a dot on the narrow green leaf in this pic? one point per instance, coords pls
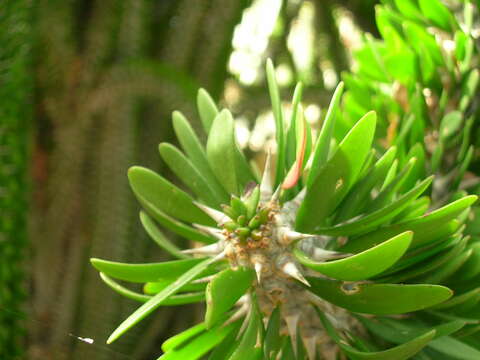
(364, 265)
(154, 232)
(358, 197)
(189, 175)
(379, 299)
(291, 144)
(471, 268)
(337, 176)
(183, 337)
(450, 124)
(369, 222)
(438, 14)
(273, 339)
(249, 347)
(144, 272)
(320, 154)
(160, 193)
(196, 153)
(425, 228)
(153, 288)
(401, 352)
(459, 299)
(221, 151)
(225, 348)
(279, 123)
(206, 108)
(181, 299)
(151, 305)
(224, 290)
(201, 344)
(173, 225)
(397, 331)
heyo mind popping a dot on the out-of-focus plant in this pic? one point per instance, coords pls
(15, 115)
(329, 253)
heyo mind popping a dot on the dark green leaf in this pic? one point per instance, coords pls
(279, 123)
(365, 264)
(379, 299)
(438, 14)
(206, 108)
(151, 305)
(189, 175)
(221, 149)
(224, 290)
(337, 176)
(153, 189)
(157, 236)
(322, 147)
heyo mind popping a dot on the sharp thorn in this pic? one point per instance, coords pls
(216, 233)
(311, 346)
(293, 271)
(244, 324)
(266, 184)
(236, 315)
(323, 255)
(216, 215)
(258, 269)
(203, 280)
(212, 249)
(292, 325)
(290, 236)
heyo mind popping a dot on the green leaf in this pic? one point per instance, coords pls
(409, 9)
(183, 337)
(196, 153)
(279, 124)
(144, 272)
(472, 267)
(221, 150)
(337, 176)
(401, 352)
(459, 299)
(153, 189)
(225, 348)
(369, 222)
(174, 300)
(200, 345)
(154, 232)
(360, 193)
(379, 299)
(249, 346)
(173, 225)
(402, 65)
(224, 290)
(425, 228)
(320, 154)
(152, 288)
(151, 305)
(189, 175)
(273, 339)
(438, 14)
(364, 265)
(398, 332)
(291, 147)
(206, 108)
(450, 124)
(388, 192)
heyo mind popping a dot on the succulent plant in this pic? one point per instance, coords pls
(331, 253)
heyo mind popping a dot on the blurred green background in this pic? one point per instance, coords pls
(87, 88)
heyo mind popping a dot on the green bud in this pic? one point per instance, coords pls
(242, 220)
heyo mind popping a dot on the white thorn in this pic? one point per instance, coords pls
(236, 315)
(244, 324)
(288, 236)
(266, 184)
(203, 280)
(323, 255)
(292, 324)
(311, 346)
(216, 215)
(276, 194)
(258, 270)
(292, 270)
(211, 249)
(216, 233)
